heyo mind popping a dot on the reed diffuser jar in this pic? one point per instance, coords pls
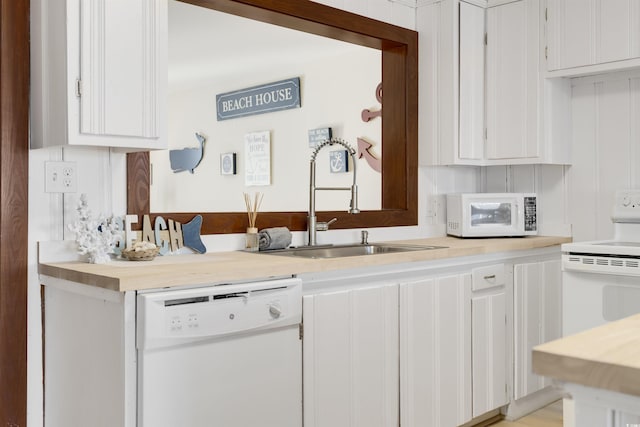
(251, 237)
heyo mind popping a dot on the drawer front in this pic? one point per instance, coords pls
(487, 277)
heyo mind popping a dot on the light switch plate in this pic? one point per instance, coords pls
(60, 177)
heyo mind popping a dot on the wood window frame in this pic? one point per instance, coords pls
(14, 196)
(399, 48)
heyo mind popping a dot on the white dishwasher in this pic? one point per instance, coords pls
(227, 355)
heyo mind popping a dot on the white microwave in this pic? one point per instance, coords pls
(491, 214)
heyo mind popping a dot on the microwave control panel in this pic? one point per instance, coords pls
(530, 214)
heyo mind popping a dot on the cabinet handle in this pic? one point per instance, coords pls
(490, 277)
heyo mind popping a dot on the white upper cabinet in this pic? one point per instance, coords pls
(568, 34)
(99, 73)
(513, 81)
(452, 82)
(471, 116)
(593, 32)
(486, 101)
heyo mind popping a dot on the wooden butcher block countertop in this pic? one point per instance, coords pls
(606, 357)
(184, 270)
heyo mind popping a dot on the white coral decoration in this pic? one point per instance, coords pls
(96, 237)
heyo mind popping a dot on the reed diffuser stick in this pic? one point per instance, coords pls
(252, 207)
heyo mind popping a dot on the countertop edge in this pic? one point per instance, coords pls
(163, 274)
(101, 281)
(605, 357)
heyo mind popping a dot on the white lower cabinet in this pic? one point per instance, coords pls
(489, 342)
(625, 419)
(435, 352)
(489, 339)
(596, 407)
(366, 349)
(432, 347)
(350, 358)
(537, 318)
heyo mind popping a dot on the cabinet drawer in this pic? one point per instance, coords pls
(487, 277)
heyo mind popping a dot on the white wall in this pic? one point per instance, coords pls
(605, 158)
(606, 150)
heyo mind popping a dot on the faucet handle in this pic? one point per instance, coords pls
(324, 226)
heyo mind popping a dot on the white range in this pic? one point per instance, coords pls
(601, 279)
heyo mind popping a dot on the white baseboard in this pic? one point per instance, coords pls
(528, 404)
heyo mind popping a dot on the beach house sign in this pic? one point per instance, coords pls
(266, 98)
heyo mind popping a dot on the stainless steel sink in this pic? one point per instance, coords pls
(339, 251)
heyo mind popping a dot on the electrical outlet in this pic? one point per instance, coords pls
(60, 177)
(436, 204)
(432, 206)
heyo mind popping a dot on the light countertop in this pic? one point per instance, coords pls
(606, 357)
(165, 271)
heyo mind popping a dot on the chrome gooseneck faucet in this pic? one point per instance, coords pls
(312, 224)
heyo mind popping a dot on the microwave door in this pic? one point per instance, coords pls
(493, 217)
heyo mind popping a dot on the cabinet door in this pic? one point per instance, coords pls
(537, 318)
(615, 19)
(435, 353)
(350, 358)
(471, 118)
(588, 32)
(512, 80)
(569, 34)
(591, 414)
(122, 67)
(625, 419)
(489, 355)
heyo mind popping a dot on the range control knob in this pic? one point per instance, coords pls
(275, 311)
(626, 201)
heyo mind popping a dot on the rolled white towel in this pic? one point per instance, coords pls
(274, 238)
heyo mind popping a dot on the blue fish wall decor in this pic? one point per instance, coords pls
(187, 159)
